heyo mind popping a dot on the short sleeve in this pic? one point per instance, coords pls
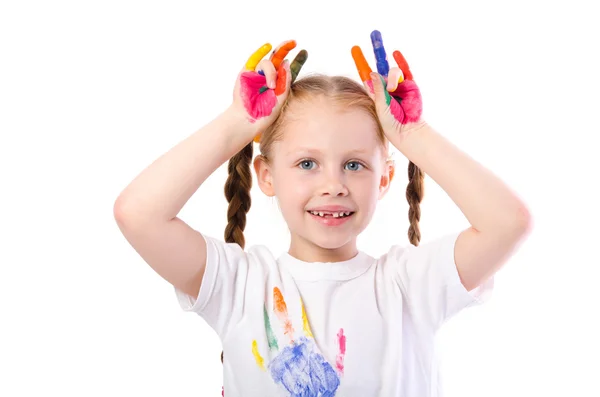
(429, 280)
(220, 299)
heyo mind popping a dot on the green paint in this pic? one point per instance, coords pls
(263, 89)
(388, 97)
(297, 64)
(270, 335)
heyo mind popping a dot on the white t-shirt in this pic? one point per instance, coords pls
(361, 327)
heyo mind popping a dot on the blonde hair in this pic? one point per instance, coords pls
(342, 91)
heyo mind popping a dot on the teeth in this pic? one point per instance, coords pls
(334, 214)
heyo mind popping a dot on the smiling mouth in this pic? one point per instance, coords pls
(329, 214)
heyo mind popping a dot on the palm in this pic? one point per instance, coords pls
(253, 97)
(298, 366)
(402, 106)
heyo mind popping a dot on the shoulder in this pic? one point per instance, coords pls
(439, 248)
(254, 258)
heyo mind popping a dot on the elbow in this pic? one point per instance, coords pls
(120, 211)
(524, 220)
(124, 211)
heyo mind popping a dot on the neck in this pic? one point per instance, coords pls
(307, 251)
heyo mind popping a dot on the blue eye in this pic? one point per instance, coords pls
(305, 164)
(354, 165)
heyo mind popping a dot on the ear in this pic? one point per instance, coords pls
(386, 178)
(264, 176)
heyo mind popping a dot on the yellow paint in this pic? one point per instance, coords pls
(258, 56)
(305, 324)
(400, 78)
(259, 360)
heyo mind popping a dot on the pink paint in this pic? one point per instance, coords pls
(339, 360)
(370, 85)
(410, 108)
(257, 104)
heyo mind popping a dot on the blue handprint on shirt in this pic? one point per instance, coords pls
(299, 367)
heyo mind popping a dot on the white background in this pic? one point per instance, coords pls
(92, 92)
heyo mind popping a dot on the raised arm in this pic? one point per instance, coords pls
(499, 219)
(146, 210)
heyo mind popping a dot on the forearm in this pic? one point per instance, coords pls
(486, 202)
(161, 190)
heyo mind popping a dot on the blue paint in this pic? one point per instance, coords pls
(303, 372)
(383, 67)
(261, 72)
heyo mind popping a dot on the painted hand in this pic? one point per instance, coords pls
(263, 85)
(298, 366)
(396, 95)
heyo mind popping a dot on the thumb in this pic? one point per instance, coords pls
(283, 78)
(382, 96)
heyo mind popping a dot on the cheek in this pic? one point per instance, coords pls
(291, 191)
(366, 191)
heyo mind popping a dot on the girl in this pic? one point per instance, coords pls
(324, 318)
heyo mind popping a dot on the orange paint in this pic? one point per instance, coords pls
(281, 311)
(403, 65)
(364, 70)
(280, 306)
(281, 82)
(281, 52)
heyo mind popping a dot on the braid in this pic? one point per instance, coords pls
(237, 193)
(414, 195)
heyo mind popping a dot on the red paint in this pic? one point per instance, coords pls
(339, 361)
(329, 220)
(257, 104)
(402, 64)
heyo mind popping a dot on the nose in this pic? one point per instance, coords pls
(334, 184)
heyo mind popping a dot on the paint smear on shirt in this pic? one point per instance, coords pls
(304, 372)
(281, 311)
(258, 100)
(259, 360)
(305, 324)
(339, 361)
(271, 338)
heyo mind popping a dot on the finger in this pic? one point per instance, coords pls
(266, 68)
(281, 52)
(403, 65)
(282, 78)
(364, 70)
(257, 56)
(395, 77)
(380, 89)
(297, 64)
(383, 67)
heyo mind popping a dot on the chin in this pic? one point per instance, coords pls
(332, 244)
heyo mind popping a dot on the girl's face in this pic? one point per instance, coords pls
(329, 162)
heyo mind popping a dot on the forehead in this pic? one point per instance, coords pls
(320, 125)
